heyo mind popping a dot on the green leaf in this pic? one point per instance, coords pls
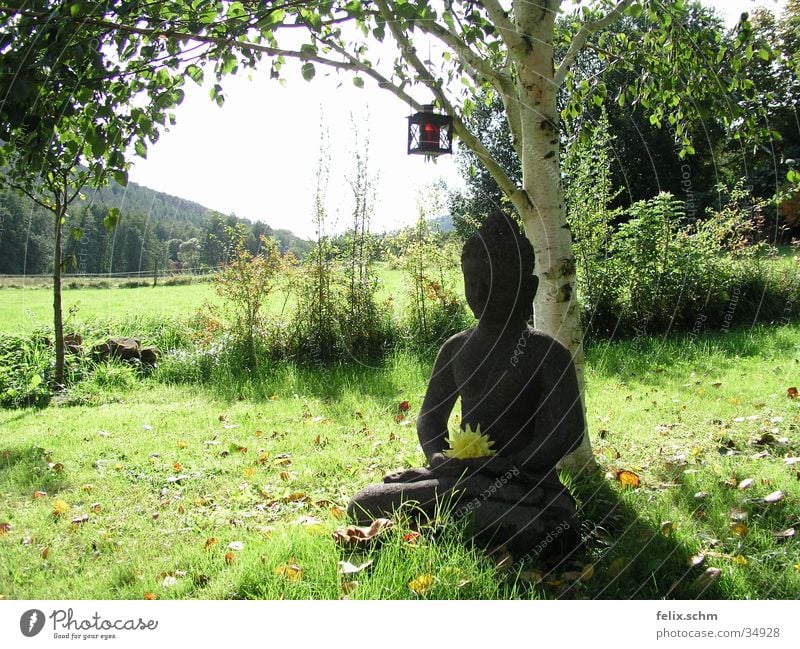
(308, 71)
(195, 73)
(35, 382)
(121, 177)
(111, 219)
(76, 234)
(764, 54)
(358, 82)
(141, 148)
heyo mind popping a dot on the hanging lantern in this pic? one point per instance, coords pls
(429, 133)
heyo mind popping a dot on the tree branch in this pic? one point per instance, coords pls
(517, 196)
(579, 40)
(508, 32)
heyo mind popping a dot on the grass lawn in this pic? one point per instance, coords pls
(176, 491)
(24, 309)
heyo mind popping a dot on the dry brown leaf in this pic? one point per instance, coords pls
(45, 552)
(359, 537)
(736, 514)
(347, 568)
(78, 520)
(337, 512)
(60, 507)
(628, 479)
(284, 475)
(177, 467)
(230, 557)
(791, 392)
(708, 578)
(667, 528)
(774, 497)
(95, 508)
(404, 406)
(282, 461)
(39, 494)
(150, 596)
(296, 496)
(697, 560)
(210, 543)
(5, 528)
(249, 472)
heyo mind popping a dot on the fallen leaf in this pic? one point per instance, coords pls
(739, 529)
(78, 520)
(736, 514)
(784, 534)
(740, 560)
(45, 552)
(629, 479)
(347, 568)
(95, 508)
(708, 578)
(60, 507)
(701, 495)
(236, 546)
(404, 406)
(39, 494)
(58, 467)
(177, 467)
(290, 570)
(348, 587)
(400, 417)
(296, 496)
(87, 488)
(411, 538)
(210, 543)
(169, 581)
(667, 528)
(282, 461)
(618, 565)
(337, 512)
(5, 528)
(230, 557)
(774, 497)
(422, 584)
(249, 472)
(284, 475)
(360, 537)
(697, 560)
(150, 596)
(792, 393)
(746, 483)
(183, 443)
(531, 576)
(790, 461)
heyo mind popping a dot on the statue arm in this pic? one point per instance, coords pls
(440, 398)
(558, 423)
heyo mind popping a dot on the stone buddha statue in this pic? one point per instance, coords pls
(515, 383)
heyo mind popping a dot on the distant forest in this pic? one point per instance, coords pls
(155, 231)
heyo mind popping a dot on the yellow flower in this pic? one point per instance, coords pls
(469, 443)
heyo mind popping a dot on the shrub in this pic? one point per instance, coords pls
(26, 370)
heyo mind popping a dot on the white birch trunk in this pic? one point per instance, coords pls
(542, 209)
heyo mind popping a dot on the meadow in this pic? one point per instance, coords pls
(155, 488)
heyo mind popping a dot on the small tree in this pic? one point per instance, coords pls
(245, 285)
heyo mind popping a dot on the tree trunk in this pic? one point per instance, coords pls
(556, 310)
(58, 321)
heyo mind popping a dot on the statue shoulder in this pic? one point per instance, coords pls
(548, 347)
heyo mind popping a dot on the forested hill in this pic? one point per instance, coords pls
(155, 230)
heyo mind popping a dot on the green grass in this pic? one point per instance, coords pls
(28, 308)
(256, 467)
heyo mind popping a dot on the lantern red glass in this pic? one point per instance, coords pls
(430, 133)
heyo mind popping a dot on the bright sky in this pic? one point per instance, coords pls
(257, 155)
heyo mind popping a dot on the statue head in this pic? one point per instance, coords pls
(497, 262)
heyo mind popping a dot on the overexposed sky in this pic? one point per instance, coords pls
(257, 155)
